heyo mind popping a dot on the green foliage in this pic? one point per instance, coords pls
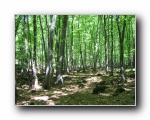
(89, 27)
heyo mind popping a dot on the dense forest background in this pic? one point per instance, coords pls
(76, 53)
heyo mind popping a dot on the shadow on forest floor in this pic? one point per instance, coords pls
(82, 88)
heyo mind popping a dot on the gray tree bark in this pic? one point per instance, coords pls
(112, 46)
(106, 45)
(44, 47)
(49, 68)
(121, 40)
(59, 78)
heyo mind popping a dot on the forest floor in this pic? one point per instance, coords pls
(82, 88)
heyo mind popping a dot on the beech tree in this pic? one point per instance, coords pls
(121, 40)
(112, 46)
(106, 44)
(61, 53)
(49, 67)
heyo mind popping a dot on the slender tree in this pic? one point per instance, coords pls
(71, 45)
(58, 45)
(128, 44)
(43, 39)
(62, 48)
(81, 53)
(133, 38)
(34, 66)
(49, 68)
(26, 46)
(106, 44)
(112, 46)
(121, 40)
(35, 38)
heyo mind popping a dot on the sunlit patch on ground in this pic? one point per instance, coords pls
(105, 94)
(50, 102)
(23, 103)
(71, 88)
(44, 98)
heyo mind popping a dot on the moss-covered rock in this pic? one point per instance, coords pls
(99, 89)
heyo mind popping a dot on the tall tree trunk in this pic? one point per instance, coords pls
(84, 39)
(106, 45)
(35, 39)
(94, 52)
(34, 55)
(81, 56)
(22, 48)
(121, 39)
(90, 55)
(58, 46)
(17, 22)
(66, 67)
(72, 54)
(99, 37)
(47, 44)
(63, 41)
(133, 37)
(96, 43)
(62, 48)
(128, 45)
(30, 54)
(27, 47)
(44, 47)
(112, 46)
(85, 55)
(25, 42)
(30, 44)
(49, 68)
